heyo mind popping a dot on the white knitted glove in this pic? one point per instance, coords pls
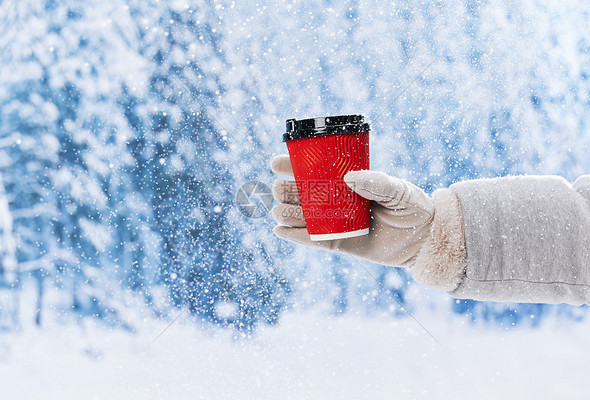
(402, 222)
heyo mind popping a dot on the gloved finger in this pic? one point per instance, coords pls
(397, 252)
(285, 192)
(392, 193)
(281, 165)
(289, 214)
(300, 236)
(357, 246)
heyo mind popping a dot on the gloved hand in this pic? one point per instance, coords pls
(401, 216)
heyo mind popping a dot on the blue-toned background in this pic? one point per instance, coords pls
(126, 129)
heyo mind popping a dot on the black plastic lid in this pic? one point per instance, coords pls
(304, 128)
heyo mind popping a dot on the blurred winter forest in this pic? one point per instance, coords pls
(127, 127)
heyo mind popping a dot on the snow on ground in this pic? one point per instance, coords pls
(305, 356)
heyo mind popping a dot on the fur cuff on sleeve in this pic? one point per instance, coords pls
(441, 261)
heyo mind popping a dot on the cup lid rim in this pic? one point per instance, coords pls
(331, 125)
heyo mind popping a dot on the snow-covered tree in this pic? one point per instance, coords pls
(75, 212)
(208, 263)
(7, 243)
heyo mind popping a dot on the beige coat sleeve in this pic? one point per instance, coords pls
(516, 239)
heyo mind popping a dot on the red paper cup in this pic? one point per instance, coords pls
(322, 151)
